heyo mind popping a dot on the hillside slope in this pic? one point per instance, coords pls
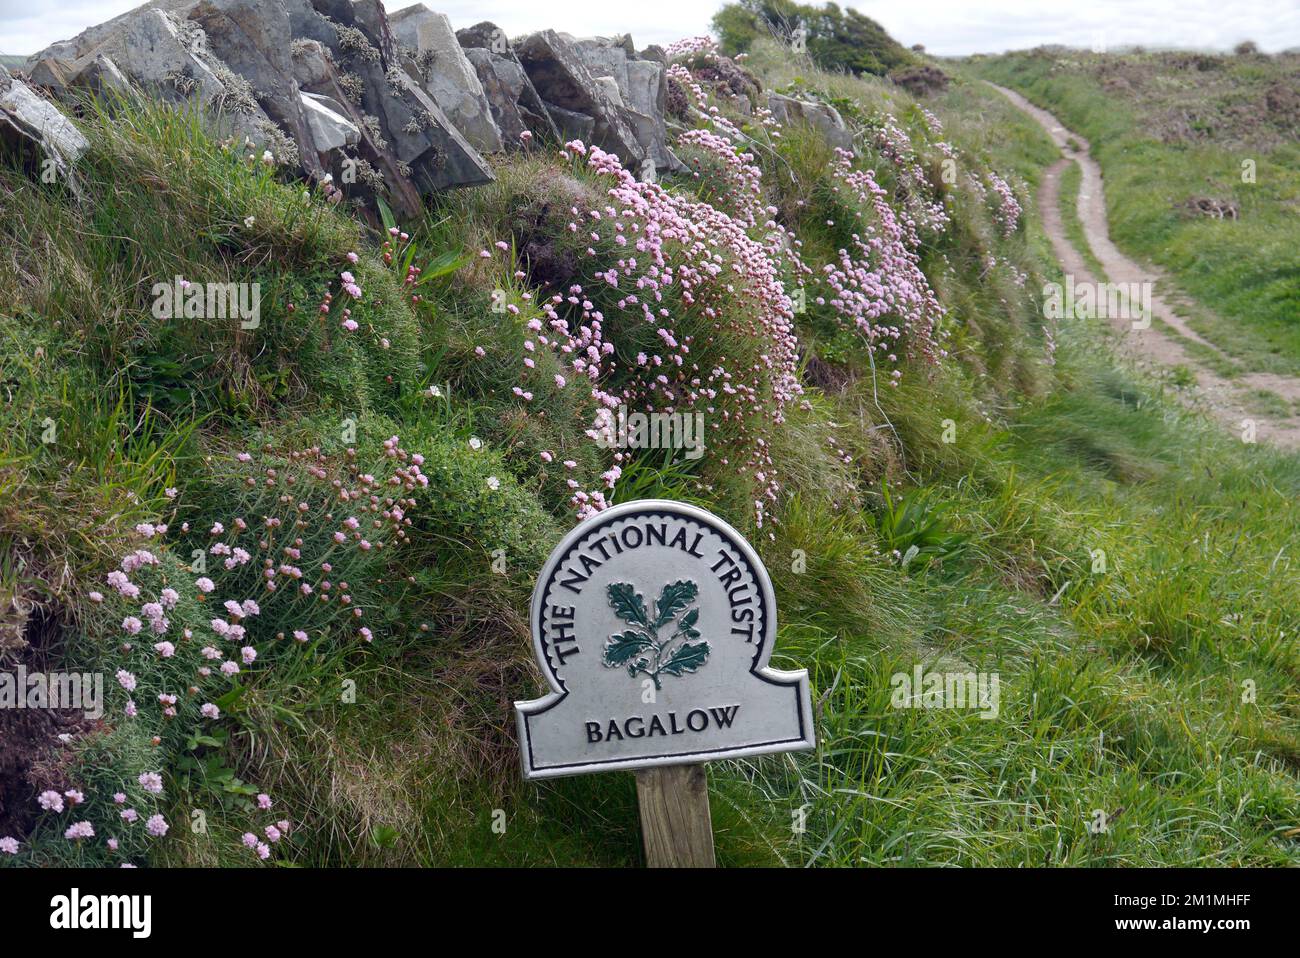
(937, 477)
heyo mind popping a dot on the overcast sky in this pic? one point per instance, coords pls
(944, 26)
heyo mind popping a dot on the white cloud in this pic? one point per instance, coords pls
(944, 26)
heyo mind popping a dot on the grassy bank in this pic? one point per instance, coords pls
(959, 487)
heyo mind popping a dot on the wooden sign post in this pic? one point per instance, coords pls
(653, 622)
(675, 822)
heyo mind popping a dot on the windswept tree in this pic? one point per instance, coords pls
(836, 39)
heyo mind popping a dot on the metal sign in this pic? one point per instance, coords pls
(653, 622)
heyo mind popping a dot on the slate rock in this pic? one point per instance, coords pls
(446, 73)
(640, 90)
(53, 74)
(557, 69)
(34, 128)
(485, 36)
(821, 116)
(330, 127)
(571, 124)
(167, 57)
(102, 75)
(515, 105)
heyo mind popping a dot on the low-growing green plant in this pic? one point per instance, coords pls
(916, 529)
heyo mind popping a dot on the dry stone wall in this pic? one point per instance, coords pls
(396, 105)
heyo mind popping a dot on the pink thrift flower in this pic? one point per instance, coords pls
(156, 826)
(79, 830)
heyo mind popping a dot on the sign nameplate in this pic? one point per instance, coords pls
(653, 622)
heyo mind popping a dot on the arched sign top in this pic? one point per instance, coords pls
(653, 622)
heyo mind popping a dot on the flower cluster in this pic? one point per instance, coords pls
(707, 111)
(297, 574)
(924, 212)
(1007, 209)
(69, 814)
(877, 285)
(689, 286)
(731, 181)
(691, 46)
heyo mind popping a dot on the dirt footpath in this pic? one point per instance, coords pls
(1152, 346)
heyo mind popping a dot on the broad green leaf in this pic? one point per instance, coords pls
(385, 213)
(443, 264)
